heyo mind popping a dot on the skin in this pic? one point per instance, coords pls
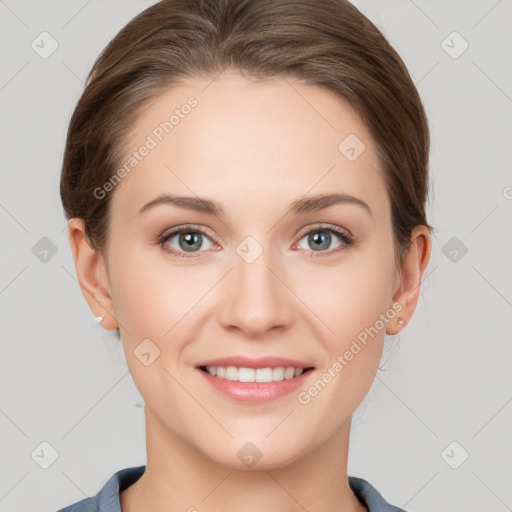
(254, 147)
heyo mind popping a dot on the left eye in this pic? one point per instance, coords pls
(188, 241)
(320, 239)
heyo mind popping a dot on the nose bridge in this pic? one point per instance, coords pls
(256, 300)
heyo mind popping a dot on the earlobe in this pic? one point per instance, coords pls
(92, 276)
(413, 266)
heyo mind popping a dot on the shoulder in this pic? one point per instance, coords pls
(107, 499)
(370, 497)
(85, 505)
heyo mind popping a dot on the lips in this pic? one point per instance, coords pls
(256, 392)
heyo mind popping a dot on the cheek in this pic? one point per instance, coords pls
(352, 294)
(354, 299)
(153, 301)
(149, 296)
(352, 306)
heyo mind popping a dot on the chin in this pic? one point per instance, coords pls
(255, 455)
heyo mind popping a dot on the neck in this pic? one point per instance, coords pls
(179, 477)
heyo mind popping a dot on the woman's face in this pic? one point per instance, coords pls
(263, 278)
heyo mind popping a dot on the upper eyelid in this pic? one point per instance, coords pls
(327, 227)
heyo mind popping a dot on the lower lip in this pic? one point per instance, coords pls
(256, 391)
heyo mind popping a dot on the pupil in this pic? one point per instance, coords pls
(323, 237)
(191, 240)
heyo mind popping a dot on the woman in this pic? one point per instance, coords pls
(245, 186)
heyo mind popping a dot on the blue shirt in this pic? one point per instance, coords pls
(107, 499)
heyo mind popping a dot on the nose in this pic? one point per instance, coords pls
(257, 298)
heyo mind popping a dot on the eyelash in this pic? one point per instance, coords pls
(190, 228)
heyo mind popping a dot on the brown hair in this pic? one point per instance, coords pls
(328, 43)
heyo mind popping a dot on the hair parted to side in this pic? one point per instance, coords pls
(328, 43)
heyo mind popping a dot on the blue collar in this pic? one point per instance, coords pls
(107, 499)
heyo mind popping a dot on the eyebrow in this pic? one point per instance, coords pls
(300, 206)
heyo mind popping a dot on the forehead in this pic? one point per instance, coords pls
(234, 138)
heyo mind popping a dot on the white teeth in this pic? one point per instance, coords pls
(262, 374)
(231, 373)
(278, 373)
(254, 374)
(289, 373)
(245, 374)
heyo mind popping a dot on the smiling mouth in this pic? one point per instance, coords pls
(255, 375)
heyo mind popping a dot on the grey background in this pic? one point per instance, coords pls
(447, 376)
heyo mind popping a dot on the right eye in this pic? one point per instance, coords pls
(188, 240)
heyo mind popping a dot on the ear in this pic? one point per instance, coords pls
(409, 276)
(92, 275)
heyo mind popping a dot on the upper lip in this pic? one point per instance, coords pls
(262, 362)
